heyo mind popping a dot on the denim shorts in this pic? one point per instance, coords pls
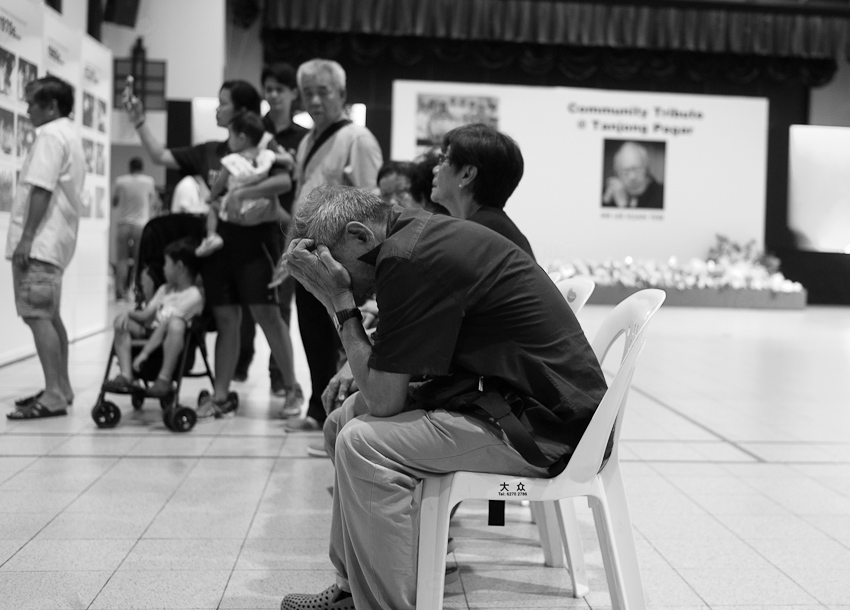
(38, 289)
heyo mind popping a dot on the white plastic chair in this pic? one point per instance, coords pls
(576, 290)
(585, 475)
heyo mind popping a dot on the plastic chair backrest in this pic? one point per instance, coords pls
(576, 290)
(630, 317)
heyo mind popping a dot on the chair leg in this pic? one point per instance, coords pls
(546, 519)
(605, 533)
(624, 539)
(433, 541)
(571, 538)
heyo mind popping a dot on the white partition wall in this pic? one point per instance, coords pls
(36, 41)
(819, 187)
(708, 152)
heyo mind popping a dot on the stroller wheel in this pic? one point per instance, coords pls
(183, 419)
(138, 401)
(167, 412)
(106, 414)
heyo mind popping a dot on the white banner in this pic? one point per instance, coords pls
(686, 167)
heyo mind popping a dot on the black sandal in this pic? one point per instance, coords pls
(23, 402)
(34, 410)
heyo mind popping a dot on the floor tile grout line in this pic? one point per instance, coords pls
(142, 534)
(736, 535)
(63, 509)
(698, 424)
(250, 525)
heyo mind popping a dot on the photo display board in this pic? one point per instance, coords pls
(21, 27)
(610, 174)
(35, 41)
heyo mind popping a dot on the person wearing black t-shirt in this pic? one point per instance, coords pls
(239, 274)
(453, 296)
(478, 170)
(281, 91)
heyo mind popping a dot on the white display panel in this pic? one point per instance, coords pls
(708, 152)
(819, 187)
(38, 42)
(20, 63)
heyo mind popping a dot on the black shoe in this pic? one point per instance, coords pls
(228, 406)
(240, 376)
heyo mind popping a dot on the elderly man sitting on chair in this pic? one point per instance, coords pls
(466, 308)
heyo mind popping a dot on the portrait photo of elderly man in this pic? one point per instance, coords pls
(634, 174)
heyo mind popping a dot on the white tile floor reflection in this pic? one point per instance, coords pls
(737, 457)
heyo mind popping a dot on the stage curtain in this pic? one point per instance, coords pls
(737, 31)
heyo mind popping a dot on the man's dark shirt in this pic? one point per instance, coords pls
(289, 139)
(202, 160)
(455, 294)
(496, 220)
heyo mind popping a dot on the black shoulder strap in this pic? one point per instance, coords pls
(324, 137)
(497, 408)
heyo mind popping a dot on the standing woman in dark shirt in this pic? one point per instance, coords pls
(240, 272)
(477, 172)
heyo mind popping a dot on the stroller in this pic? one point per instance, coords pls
(157, 234)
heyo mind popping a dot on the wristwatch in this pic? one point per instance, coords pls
(340, 317)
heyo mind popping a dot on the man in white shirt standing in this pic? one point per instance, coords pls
(43, 235)
(334, 152)
(133, 198)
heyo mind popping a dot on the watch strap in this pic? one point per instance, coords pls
(346, 314)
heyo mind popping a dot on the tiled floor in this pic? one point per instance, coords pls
(737, 463)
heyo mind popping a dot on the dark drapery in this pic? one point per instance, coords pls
(542, 22)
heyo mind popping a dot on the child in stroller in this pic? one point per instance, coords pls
(163, 323)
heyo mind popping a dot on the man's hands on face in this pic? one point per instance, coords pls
(317, 271)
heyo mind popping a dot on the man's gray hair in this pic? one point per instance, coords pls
(326, 211)
(315, 66)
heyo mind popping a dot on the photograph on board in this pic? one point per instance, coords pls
(7, 132)
(27, 73)
(7, 189)
(437, 114)
(88, 109)
(26, 136)
(7, 72)
(633, 174)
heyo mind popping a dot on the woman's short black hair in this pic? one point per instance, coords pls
(496, 157)
(282, 72)
(49, 88)
(421, 182)
(183, 251)
(244, 96)
(402, 168)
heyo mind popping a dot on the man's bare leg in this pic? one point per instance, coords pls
(49, 348)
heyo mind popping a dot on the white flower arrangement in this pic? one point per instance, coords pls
(728, 265)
